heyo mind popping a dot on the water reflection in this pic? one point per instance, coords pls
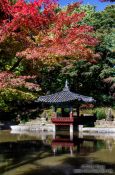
(33, 153)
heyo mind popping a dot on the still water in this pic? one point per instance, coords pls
(35, 153)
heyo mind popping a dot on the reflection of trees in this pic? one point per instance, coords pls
(109, 144)
(21, 153)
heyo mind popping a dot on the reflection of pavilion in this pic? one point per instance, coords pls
(63, 103)
(63, 144)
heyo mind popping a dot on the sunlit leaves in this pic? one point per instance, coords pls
(49, 36)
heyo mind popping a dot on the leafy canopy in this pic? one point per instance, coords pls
(49, 35)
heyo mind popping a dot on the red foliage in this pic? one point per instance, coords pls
(10, 80)
(26, 17)
(5, 6)
(50, 35)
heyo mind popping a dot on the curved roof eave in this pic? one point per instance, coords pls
(64, 97)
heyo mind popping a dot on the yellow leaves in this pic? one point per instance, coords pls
(38, 38)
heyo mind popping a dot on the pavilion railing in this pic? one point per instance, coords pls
(62, 119)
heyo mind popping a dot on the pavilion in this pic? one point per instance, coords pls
(65, 99)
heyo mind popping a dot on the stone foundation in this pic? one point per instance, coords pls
(104, 124)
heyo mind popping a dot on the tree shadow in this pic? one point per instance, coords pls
(79, 164)
(20, 153)
(28, 152)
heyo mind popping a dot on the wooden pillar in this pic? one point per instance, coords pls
(54, 111)
(71, 132)
(71, 112)
(62, 111)
(54, 151)
(71, 150)
(77, 110)
(54, 131)
(78, 147)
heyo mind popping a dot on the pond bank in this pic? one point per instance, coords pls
(33, 127)
(97, 130)
(49, 127)
(41, 124)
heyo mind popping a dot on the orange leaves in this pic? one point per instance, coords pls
(8, 79)
(71, 7)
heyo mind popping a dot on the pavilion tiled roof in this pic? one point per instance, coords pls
(64, 96)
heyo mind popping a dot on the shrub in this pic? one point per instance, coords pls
(100, 113)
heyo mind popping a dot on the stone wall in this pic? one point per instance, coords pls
(105, 124)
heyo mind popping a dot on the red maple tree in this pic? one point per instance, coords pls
(49, 35)
(55, 34)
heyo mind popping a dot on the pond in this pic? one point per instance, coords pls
(39, 153)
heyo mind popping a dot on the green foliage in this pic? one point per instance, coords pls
(51, 79)
(87, 111)
(84, 77)
(89, 78)
(100, 113)
(47, 113)
(13, 1)
(106, 71)
(10, 97)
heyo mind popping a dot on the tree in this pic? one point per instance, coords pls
(40, 42)
(49, 36)
(99, 77)
(39, 35)
(105, 32)
(12, 85)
